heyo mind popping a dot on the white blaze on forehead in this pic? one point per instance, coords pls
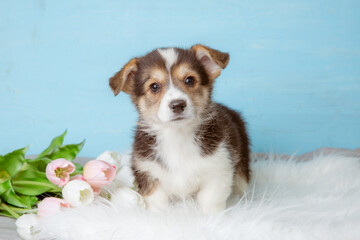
(169, 55)
(165, 114)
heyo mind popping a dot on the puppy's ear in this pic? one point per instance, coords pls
(213, 60)
(122, 80)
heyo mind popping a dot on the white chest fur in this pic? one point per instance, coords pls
(184, 170)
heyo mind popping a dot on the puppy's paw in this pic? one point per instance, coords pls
(154, 207)
(157, 201)
(210, 209)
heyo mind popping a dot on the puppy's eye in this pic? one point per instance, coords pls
(190, 81)
(155, 87)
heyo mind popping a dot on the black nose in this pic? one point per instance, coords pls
(177, 106)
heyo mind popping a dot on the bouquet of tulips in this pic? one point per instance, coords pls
(51, 181)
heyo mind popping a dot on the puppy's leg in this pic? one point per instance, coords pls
(158, 200)
(240, 184)
(214, 193)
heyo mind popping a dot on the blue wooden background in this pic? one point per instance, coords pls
(294, 69)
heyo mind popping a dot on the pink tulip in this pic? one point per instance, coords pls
(51, 205)
(58, 171)
(99, 173)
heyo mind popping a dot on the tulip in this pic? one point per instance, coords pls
(27, 226)
(114, 158)
(58, 171)
(78, 193)
(99, 173)
(51, 205)
(127, 197)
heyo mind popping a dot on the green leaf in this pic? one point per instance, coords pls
(23, 201)
(4, 181)
(68, 152)
(35, 187)
(4, 176)
(12, 162)
(37, 164)
(56, 142)
(28, 174)
(78, 167)
(8, 194)
(31, 182)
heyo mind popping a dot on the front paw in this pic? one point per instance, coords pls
(157, 201)
(152, 207)
(211, 200)
(212, 208)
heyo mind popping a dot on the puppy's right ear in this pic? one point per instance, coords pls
(122, 80)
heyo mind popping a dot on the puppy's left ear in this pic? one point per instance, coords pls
(213, 60)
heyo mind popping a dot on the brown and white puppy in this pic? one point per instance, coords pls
(185, 145)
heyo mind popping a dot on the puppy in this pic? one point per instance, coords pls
(185, 145)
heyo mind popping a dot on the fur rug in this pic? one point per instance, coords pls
(287, 199)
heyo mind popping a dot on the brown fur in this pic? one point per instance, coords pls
(119, 82)
(222, 59)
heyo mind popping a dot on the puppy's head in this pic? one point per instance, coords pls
(171, 85)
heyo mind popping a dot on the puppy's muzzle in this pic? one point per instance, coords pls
(177, 106)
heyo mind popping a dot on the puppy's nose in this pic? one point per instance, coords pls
(177, 106)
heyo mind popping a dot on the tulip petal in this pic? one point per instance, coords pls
(58, 171)
(27, 226)
(51, 205)
(113, 158)
(78, 193)
(99, 173)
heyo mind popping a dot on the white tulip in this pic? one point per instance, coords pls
(78, 193)
(114, 158)
(127, 197)
(27, 226)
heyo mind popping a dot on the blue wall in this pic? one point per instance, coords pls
(294, 69)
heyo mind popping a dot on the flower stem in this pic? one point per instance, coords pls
(19, 210)
(9, 210)
(35, 183)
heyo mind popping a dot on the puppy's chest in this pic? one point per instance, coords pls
(184, 167)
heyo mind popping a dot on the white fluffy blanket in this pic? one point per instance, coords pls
(287, 199)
